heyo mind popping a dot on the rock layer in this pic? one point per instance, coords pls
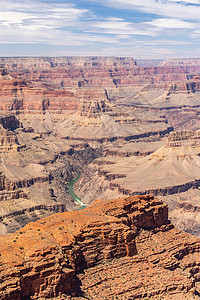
(44, 258)
(51, 107)
(176, 165)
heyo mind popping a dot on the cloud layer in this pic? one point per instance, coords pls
(165, 27)
(167, 8)
(38, 22)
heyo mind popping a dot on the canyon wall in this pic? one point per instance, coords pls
(47, 258)
(54, 109)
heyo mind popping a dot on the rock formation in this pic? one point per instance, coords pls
(50, 112)
(54, 109)
(116, 249)
(123, 80)
(175, 164)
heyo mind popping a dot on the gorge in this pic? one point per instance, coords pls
(99, 116)
(77, 129)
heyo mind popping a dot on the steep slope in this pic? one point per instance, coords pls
(171, 170)
(176, 165)
(116, 249)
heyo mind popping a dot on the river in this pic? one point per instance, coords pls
(77, 200)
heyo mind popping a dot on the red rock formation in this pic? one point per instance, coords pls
(44, 258)
(90, 71)
(77, 83)
(17, 95)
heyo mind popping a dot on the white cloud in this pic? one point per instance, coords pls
(64, 24)
(53, 37)
(121, 27)
(173, 23)
(45, 14)
(167, 8)
(38, 22)
(48, 23)
(186, 2)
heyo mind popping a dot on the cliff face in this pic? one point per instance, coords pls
(17, 95)
(45, 63)
(184, 139)
(122, 78)
(44, 258)
(76, 83)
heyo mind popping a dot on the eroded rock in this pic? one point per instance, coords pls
(118, 248)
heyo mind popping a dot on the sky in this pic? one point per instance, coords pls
(142, 29)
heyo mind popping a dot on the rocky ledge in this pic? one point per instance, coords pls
(184, 138)
(77, 253)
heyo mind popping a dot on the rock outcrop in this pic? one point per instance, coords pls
(89, 252)
(17, 95)
(184, 139)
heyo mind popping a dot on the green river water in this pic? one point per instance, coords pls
(77, 200)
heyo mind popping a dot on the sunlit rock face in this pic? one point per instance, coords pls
(124, 240)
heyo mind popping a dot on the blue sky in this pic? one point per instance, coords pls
(142, 29)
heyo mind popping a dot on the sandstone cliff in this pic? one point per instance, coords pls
(123, 80)
(110, 250)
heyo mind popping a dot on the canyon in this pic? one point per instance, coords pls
(99, 128)
(110, 120)
(54, 123)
